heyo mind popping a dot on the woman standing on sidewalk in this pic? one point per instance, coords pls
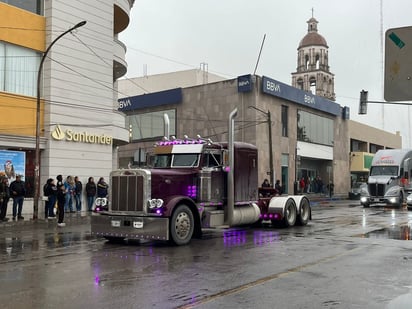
(91, 193)
(61, 200)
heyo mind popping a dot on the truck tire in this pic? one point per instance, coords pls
(304, 214)
(400, 205)
(181, 225)
(289, 216)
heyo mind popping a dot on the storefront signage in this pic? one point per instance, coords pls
(244, 83)
(278, 89)
(148, 100)
(80, 137)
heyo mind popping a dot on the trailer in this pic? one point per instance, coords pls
(193, 184)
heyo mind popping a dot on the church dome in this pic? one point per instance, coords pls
(312, 37)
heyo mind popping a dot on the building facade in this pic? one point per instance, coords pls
(80, 127)
(364, 142)
(309, 133)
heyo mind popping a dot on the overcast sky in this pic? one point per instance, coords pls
(175, 35)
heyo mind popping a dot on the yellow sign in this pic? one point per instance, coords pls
(81, 137)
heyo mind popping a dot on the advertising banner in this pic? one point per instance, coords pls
(12, 163)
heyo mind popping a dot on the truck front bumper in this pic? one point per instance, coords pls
(389, 200)
(132, 227)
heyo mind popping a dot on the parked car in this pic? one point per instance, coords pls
(355, 191)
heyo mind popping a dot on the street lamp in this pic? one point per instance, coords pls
(269, 122)
(37, 153)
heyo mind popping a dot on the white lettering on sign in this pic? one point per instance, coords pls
(310, 100)
(243, 83)
(124, 103)
(272, 86)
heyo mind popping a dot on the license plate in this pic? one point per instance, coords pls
(138, 224)
(115, 223)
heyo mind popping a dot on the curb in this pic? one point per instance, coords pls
(70, 218)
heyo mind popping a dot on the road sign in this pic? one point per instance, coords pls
(398, 64)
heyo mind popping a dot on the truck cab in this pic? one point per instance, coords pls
(389, 180)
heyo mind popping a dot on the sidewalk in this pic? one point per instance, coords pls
(319, 199)
(82, 217)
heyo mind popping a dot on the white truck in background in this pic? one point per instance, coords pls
(389, 179)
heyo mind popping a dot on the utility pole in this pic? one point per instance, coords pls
(37, 152)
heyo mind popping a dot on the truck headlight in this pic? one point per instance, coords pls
(155, 203)
(101, 201)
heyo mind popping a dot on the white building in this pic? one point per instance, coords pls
(80, 127)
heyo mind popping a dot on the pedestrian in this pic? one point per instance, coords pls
(278, 187)
(265, 183)
(302, 185)
(78, 189)
(52, 195)
(102, 188)
(59, 179)
(91, 193)
(47, 193)
(69, 189)
(18, 193)
(4, 198)
(61, 201)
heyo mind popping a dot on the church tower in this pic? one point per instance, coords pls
(312, 72)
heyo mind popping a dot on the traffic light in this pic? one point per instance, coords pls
(363, 102)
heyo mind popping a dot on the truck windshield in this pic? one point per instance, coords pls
(176, 160)
(384, 171)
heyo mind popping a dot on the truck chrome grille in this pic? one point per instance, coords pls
(377, 189)
(127, 193)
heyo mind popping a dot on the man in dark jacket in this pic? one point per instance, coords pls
(78, 193)
(18, 192)
(4, 198)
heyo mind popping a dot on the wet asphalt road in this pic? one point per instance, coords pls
(347, 257)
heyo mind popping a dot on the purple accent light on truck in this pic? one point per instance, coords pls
(192, 191)
(181, 142)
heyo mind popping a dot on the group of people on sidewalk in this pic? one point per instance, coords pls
(71, 189)
(57, 194)
(17, 191)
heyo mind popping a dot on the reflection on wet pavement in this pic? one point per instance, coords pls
(402, 232)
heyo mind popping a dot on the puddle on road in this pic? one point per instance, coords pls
(402, 232)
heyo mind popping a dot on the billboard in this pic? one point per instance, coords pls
(12, 163)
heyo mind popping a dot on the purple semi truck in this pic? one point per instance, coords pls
(193, 184)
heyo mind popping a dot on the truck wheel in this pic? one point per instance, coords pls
(289, 218)
(181, 225)
(304, 215)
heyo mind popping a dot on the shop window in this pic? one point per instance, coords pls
(34, 6)
(150, 125)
